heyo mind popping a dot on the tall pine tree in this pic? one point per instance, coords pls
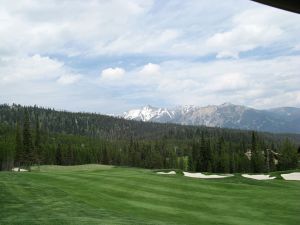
(257, 158)
(19, 154)
(27, 141)
(37, 143)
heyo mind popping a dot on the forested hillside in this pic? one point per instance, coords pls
(33, 135)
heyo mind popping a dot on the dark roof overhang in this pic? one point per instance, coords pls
(289, 5)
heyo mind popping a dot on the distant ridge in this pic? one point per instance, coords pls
(227, 115)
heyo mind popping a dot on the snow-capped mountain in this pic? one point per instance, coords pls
(285, 119)
(149, 113)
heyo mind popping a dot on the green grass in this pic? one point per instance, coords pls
(77, 168)
(97, 194)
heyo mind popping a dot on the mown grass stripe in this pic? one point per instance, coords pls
(138, 196)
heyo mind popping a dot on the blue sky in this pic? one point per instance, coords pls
(111, 56)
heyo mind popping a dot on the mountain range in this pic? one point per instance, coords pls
(227, 115)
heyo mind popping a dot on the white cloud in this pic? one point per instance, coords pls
(227, 54)
(142, 27)
(251, 29)
(68, 79)
(297, 48)
(66, 27)
(44, 48)
(16, 69)
(257, 83)
(34, 80)
(150, 69)
(140, 41)
(112, 73)
(227, 82)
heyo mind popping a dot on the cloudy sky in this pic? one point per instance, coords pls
(110, 56)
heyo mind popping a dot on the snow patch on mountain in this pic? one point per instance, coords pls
(148, 113)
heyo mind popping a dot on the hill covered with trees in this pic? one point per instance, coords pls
(35, 135)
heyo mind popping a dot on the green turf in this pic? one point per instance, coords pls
(95, 194)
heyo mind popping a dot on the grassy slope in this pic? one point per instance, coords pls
(96, 194)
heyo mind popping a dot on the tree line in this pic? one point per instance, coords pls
(25, 140)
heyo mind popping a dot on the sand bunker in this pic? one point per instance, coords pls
(291, 176)
(16, 169)
(201, 175)
(258, 177)
(167, 173)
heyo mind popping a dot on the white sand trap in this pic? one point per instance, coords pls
(203, 176)
(291, 176)
(258, 177)
(167, 173)
(16, 169)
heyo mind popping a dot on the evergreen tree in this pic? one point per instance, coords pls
(58, 155)
(37, 142)
(19, 154)
(204, 154)
(288, 156)
(105, 156)
(6, 152)
(27, 141)
(224, 160)
(256, 155)
(173, 162)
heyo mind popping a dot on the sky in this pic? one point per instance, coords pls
(111, 56)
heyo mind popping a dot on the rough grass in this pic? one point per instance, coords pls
(97, 194)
